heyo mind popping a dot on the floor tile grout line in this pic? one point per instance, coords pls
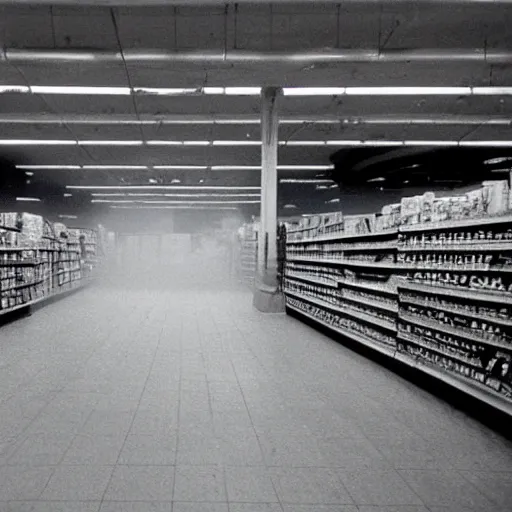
(178, 424)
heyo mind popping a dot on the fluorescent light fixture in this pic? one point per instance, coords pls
(6, 89)
(344, 142)
(499, 160)
(308, 182)
(302, 143)
(28, 199)
(486, 143)
(68, 195)
(196, 142)
(335, 200)
(48, 167)
(173, 207)
(380, 178)
(502, 170)
(110, 142)
(160, 91)
(69, 89)
(68, 217)
(157, 187)
(408, 91)
(290, 206)
(114, 167)
(305, 167)
(236, 167)
(36, 142)
(213, 90)
(232, 91)
(313, 91)
(492, 91)
(164, 143)
(180, 167)
(174, 195)
(442, 143)
(236, 143)
(29, 173)
(115, 201)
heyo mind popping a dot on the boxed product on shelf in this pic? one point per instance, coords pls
(32, 227)
(359, 224)
(496, 196)
(10, 220)
(389, 217)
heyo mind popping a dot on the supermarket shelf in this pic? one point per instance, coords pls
(477, 247)
(311, 279)
(347, 263)
(460, 293)
(449, 309)
(26, 263)
(415, 340)
(347, 311)
(470, 388)
(391, 308)
(340, 236)
(375, 288)
(16, 249)
(460, 223)
(455, 268)
(448, 329)
(19, 286)
(359, 338)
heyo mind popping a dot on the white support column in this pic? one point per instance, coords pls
(266, 295)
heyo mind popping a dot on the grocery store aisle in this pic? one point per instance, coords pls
(154, 400)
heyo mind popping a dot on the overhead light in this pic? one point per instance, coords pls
(302, 143)
(233, 91)
(373, 180)
(110, 142)
(236, 143)
(114, 167)
(236, 167)
(37, 142)
(158, 187)
(313, 91)
(196, 142)
(502, 170)
(68, 217)
(344, 142)
(49, 167)
(174, 207)
(335, 200)
(71, 89)
(486, 143)
(408, 91)
(68, 195)
(308, 182)
(28, 199)
(173, 195)
(305, 167)
(213, 90)
(498, 160)
(115, 201)
(6, 89)
(175, 181)
(290, 206)
(180, 167)
(152, 180)
(161, 91)
(29, 173)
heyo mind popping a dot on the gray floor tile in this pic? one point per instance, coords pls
(108, 423)
(141, 483)
(394, 508)
(320, 508)
(255, 507)
(136, 506)
(93, 450)
(445, 488)
(149, 450)
(309, 486)
(200, 507)
(23, 482)
(497, 486)
(374, 487)
(16, 506)
(198, 483)
(77, 483)
(241, 448)
(41, 449)
(198, 449)
(66, 506)
(250, 484)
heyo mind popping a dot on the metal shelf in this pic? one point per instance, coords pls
(477, 247)
(459, 223)
(311, 279)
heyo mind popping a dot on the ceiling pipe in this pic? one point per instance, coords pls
(173, 119)
(249, 57)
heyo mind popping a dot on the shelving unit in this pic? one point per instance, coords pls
(439, 294)
(247, 254)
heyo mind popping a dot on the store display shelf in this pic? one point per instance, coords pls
(360, 338)
(347, 263)
(19, 286)
(477, 247)
(347, 311)
(456, 268)
(340, 236)
(391, 308)
(453, 331)
(415, 340)
(16, 249)
(311, 279)
(456, 311)
(457, 223)
(25, 263)
(460, 292)
(372, 287)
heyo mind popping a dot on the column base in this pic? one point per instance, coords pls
(267, 300)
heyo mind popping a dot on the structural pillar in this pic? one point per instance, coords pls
(267, 296)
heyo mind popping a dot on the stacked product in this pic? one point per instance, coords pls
(247, 253)
(431, 286)
(35, 261)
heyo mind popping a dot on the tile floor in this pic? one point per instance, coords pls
(131, 400)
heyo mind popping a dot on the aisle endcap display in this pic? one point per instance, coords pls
(430, 277)
(39, 260)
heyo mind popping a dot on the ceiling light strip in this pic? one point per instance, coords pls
(172, 195)
(173, 207)
(174, 202)
(159, 187)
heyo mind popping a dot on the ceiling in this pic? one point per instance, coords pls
(168, 44)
